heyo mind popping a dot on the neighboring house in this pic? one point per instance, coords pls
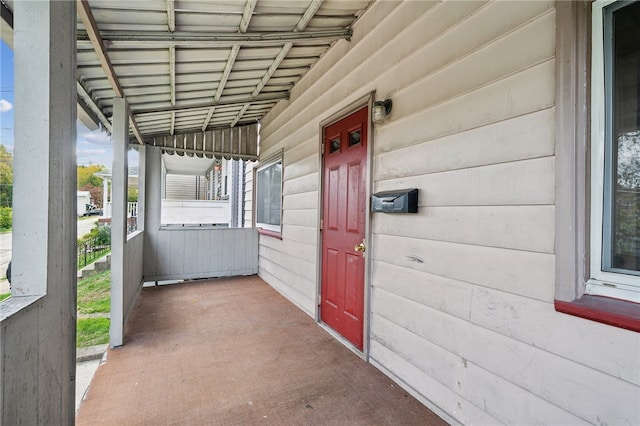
(512, 296)
(83, 201)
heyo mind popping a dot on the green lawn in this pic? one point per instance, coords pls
(94, 293)
(92, 331)
(94, 297)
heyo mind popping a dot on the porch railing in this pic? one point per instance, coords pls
(132, 209)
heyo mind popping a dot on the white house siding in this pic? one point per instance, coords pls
(462, 293)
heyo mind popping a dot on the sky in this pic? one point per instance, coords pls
(93, 147)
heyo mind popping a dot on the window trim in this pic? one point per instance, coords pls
(572, 223)
(601, 282)
(266, 228)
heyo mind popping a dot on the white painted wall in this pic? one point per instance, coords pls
(195, 212)
(462, 293)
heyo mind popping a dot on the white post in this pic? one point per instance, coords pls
(152, 204)
(38, 344)
(120, 139)
(142, 161)
(105, 195)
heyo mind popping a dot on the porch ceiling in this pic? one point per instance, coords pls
(189, 66)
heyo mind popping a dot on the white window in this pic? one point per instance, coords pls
(269, 194)
(615, 151)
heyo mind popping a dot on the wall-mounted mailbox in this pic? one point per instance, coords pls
(399, 201)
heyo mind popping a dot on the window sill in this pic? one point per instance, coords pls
(615, 312)
(269, 233)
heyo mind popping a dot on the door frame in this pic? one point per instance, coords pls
(362, 102)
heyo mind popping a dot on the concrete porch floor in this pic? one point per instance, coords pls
(234, 351)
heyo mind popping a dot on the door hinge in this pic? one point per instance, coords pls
(322, 149)
(321, 224)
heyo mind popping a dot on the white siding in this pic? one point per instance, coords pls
(461, 293)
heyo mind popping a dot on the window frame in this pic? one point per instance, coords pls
(573, 174)
(267, 228)
(603, 282)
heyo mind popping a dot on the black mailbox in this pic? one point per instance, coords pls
(399, 201)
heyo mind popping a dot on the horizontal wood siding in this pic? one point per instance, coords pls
(461, 309)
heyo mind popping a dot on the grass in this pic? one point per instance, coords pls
(94, 293)
(94, 297)
(4, 296)
(92, 331)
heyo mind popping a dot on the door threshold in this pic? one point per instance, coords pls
(339, 337)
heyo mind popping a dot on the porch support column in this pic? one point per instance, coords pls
(152, 206)
(105, 194)
(37, 337)
(142, 165)
(120, 139)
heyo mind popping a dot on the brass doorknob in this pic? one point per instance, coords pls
(360, 247)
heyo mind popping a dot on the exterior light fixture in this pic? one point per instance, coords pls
(380, 110)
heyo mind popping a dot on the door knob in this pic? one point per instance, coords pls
(360, 247)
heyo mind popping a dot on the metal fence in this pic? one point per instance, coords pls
(91, 250)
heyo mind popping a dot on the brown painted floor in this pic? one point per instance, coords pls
(235, 352)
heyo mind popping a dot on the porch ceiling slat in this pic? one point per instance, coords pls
(206, 64)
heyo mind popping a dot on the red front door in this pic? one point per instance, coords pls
(344, 210)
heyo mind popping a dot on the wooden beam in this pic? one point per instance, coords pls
(134, 127)
(85, 98)
(308, 15)
(244, 25)
(173, 123)
(172, 73)
(274, 66)
(89, 23)
(171, 15)
(227, 70)
(246, 15)
(240, 114)
(300, 26)
(84, 10)
(202, 39)
(208, 118)
(260, 99)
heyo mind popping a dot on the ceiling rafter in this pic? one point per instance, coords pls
(244, 26)
(244, 109)
(172, 73)
(208, 118)
(261, 99)
(202, 39)
(171, 15)
(246, 15)
(86, 99)
(89, 22)
(300, 26)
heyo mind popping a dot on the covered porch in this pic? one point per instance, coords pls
(234, 351)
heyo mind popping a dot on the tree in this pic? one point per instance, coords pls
(86, 175)
(95, 192)
(88, 181)
(6, 177)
